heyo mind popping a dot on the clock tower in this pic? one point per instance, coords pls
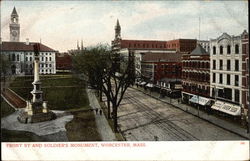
(14, 26)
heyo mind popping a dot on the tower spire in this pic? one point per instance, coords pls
(117, 30)
(78, 48)
(81, 45)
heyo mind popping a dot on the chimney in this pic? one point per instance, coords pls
(27, 41)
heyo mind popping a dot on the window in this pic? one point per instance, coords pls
(50, 65)
(228, 49)
(221, 79)
(50, 58)
(228, 65)
(214, 77)
(30, 58)
(236, 95)
(26, 58)
(46, 65)
(228, 79)
(46, 58)
(221, 49)
(236, 80)
(17, 58)
(221, 64)
(214, 64)
(236, 65)
(13, 57)
(42, 58)
(236, 49)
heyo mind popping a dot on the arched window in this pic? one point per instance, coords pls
(236, 49)
(214, 50)
(221, 49)
(228, 49)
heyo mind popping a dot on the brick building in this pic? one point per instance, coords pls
(196, 77)
(245, 72)
(181, 45)
(63, 62)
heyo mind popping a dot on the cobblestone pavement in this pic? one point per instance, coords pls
(143, 118)
(101, 122)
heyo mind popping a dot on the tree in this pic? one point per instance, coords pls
(102, 68)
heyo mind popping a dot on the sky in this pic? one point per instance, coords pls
(60, 24)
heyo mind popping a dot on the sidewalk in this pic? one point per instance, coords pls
(201, 114)
(102, 124)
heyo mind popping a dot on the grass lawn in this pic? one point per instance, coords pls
(19, 136)
(82, 127)
(61, 92)
(6, 109)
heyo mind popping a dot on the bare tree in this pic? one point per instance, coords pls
(102, 67)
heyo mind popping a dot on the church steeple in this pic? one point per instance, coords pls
(14, 26)
(81, 45)
(78, 48)
(117, 30)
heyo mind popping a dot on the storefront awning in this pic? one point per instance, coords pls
(227, 108)
(142, 83)
(199, 100)
(150, 85)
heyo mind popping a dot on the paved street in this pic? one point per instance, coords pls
(143, 118)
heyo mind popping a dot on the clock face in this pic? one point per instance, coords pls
(14, 33)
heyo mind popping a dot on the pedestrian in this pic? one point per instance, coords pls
(100, 112)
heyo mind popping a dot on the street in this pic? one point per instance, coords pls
(143, 118)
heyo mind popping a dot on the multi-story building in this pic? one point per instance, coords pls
(21, 54)
(195, 77)
(245, 72)
(181, 45)
(137, 48)
(227, 59)
(161, 67)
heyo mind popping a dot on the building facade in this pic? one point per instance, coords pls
(226, 59)
(195, 77)
(245, 72)
(63, 62)
(181, 45)
(21, 56)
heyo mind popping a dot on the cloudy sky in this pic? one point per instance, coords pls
(59, 24)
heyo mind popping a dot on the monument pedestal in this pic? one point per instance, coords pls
(35, 112)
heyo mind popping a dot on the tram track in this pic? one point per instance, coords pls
(171, 129)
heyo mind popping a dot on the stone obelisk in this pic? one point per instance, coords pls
(36, 109)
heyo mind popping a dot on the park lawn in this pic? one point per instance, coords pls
(6, 109)
(62, 93)
(82, 127)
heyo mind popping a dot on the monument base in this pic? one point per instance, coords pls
(25, 117)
